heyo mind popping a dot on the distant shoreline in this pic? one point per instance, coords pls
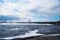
(54, 23)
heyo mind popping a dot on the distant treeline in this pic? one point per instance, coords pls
(56, 22)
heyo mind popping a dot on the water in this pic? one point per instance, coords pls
(14, 31)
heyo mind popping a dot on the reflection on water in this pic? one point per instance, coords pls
(16, 30)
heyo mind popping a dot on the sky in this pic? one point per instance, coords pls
(35, 10)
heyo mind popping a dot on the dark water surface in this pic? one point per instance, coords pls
(14, 30)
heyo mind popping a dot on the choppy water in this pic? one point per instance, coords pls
(17, 30)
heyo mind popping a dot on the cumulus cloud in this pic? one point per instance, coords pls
(30, 9)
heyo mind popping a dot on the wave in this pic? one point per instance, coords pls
(30, 34)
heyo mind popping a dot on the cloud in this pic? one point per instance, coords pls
(30, 9)
(51, 8)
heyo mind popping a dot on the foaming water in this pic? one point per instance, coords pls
(29, 30)
(29, 34)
